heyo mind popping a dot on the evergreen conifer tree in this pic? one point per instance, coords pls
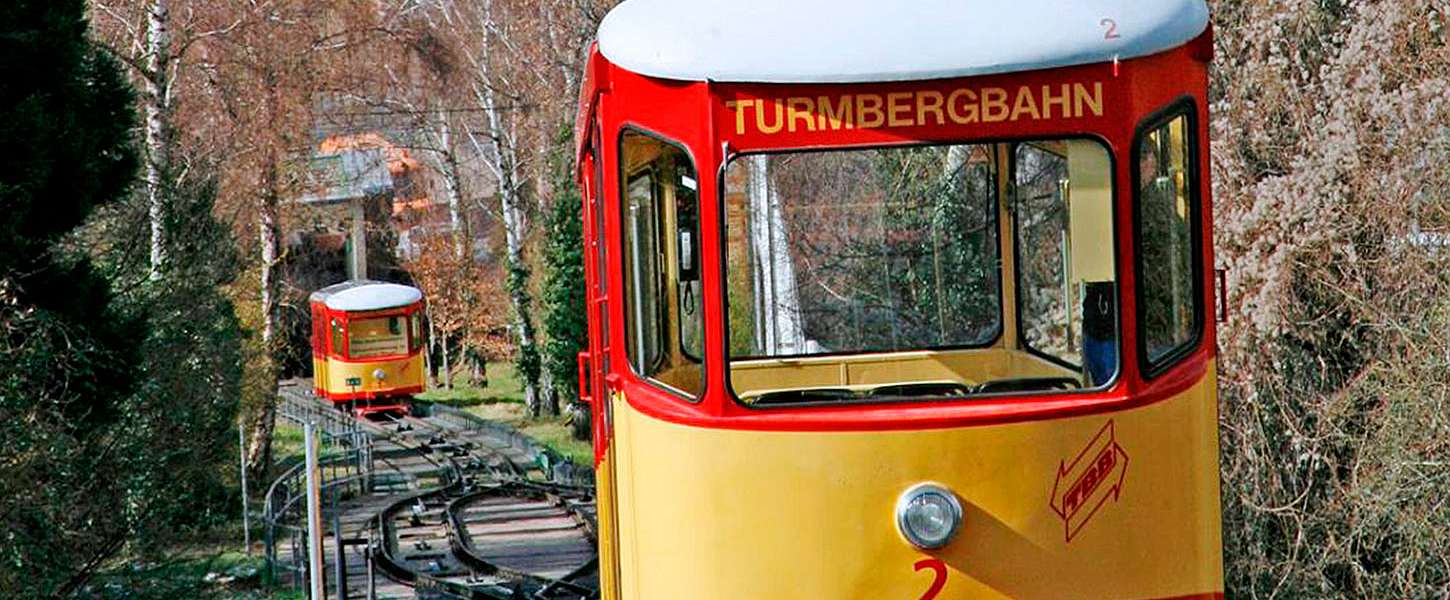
(563, 295)
(68, 360)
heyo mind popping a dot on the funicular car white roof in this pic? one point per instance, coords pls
(360, 296)
(851, 41)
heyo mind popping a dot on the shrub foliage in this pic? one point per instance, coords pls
(117, 391)
(1331, 122)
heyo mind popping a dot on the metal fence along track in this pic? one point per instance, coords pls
(448, 505)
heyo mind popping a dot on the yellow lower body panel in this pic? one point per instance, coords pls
(1118, 505)
(349, 379)
(608, 531)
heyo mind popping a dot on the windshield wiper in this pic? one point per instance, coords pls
(936, 389)
(805, 396)
(1028, 384)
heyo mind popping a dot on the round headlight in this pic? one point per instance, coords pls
(380, 374)
(928, 515)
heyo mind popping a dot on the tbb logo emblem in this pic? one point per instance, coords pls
(1086, 483)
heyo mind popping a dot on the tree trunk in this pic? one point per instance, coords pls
(548, 396)
(778, 325)
(432, 347)
(475, 368)
(428, 357)
(447, 365)
(453, 179)
(519, 298)
(505, 161)
(261, 444)
(157, 100)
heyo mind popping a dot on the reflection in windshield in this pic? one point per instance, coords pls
(868, 250)
(380, 336)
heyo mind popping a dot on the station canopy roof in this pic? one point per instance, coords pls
(360, 296)
(853, 41)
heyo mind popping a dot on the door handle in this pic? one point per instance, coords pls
(583, 361)
(1221, 298)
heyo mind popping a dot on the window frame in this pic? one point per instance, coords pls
(724, 263)
(1187, 108)
(319, 344)
(625, 304)
(1120, 267)
(1113, 182)
(599, 204)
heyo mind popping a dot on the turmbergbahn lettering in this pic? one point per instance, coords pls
(960, 106)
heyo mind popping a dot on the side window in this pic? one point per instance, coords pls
(642, 273)
(336, 338)
(1169, 314)
(664, 325)
(317, 343)
(687, 280)
(416, 323)
(1066, 271)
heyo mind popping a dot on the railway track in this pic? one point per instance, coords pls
(458, 508)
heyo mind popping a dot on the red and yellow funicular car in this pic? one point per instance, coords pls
(901, 300)
(367, 345)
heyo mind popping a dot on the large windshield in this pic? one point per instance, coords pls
(846, 255)
(862, 251)
(377, 336)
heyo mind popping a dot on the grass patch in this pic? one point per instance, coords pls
(554, 433)
(286, 441)
(288, 449)
(557, 434)
(220, 575)
(501, 385)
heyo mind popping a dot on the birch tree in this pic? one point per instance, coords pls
(148, 49)
(157, 78)
(477, 38)
(256, 91)
(778, 330)
(145, 35)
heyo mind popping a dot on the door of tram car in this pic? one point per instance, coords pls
(594, 363)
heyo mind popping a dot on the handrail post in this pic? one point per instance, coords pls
(242, 459)
(372, 575)
(270, 534)
(314, 513)
(340, 561)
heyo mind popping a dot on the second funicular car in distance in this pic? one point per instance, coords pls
(367, 346)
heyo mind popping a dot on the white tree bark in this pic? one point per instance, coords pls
(500, 154)
(267, 227)
(261, 446)
(447, 363)
(157, 107)
(447, 163)
(778, 312)
(515, 226)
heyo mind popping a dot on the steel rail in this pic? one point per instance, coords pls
(455, 435)
(461, 541)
